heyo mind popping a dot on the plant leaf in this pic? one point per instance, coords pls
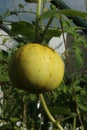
(82, 102)
(59, 110)
(52, 32)
(73, 13)
(79, 56)
(67, 12)
(23, 28)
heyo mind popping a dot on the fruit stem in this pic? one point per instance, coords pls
(56, 122)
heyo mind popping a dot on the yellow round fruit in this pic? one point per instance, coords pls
(36, 68)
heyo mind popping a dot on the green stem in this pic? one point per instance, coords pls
(46, 28)
(38, 8)
(48, 113)
(74, 124)
(37, 20)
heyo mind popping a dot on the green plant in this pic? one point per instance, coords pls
(68, 102)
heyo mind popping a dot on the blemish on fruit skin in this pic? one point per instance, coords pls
(39, 70)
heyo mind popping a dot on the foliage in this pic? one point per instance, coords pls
(66, 12)
(65, 102)
(23, 28)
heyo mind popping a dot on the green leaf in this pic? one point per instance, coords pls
(82, 102)
(67, 12)
(69, 28)
(79, 56)
(14, 119)
(4, 127)
(21, 6)
(23, 28)
(6, 14)
(73, 13)
(59, 110)
(52, 32)
(3, 66)
(77, 88)
(49, 14)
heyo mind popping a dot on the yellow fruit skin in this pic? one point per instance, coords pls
(36, 68)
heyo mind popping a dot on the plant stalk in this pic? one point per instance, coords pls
(57, 123)
(37, 20)
(46, 28)
(38, 8)
(74, 124)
